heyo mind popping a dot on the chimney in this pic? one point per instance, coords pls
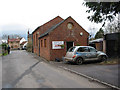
(28, 32)
(8, 39)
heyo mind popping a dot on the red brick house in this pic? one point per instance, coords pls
(14, 43)
(55, 37)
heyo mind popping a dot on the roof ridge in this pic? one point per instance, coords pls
(47, 22)
(55, 26)
(52, 20)
(52, 28)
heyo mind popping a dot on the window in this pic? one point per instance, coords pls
(11, 46)
(92, 50)
(36, 40)
(70, 25)
(41, 43)
(44, 42)
(83, 49)
(71, 49)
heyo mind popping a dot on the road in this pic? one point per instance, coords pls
(20, 69)
(0, 70)
(106, 73)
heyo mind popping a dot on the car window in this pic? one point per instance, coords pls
(82, 49)
(92, 49)
(71, 49)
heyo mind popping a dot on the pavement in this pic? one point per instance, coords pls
(21, 69)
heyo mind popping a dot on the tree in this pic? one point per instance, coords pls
(113, 27)
(29, 47)
(4, 48)
(5, 36)
(102, 11)
(99, 34)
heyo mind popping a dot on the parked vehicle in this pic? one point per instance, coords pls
(79, 54)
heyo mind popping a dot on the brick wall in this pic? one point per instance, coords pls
(41, 30)
(14, 44)
(45, 48)
(62, 33)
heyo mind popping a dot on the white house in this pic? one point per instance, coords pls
(22, 40)
(3, 41)
(24, 46)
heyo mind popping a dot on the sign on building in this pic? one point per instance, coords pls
(57, 44)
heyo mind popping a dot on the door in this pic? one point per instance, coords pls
(83, 52)
(93, 53)
(69, 44)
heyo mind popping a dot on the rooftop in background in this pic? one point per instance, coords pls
(23, 43)
(96, 40)
(12, 40)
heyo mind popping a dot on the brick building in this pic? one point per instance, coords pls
(14, 43)
(54, 38)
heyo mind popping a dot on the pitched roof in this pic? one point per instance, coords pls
(55, 26)
(50, 29)
(96, 40)
(23, 43)
(12, 40)
(46, 23)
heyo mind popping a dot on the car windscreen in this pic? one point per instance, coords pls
(71, 49)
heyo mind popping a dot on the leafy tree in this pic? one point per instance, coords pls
(29, 46)
(4, 48)
(102, 11)
(99, 34)
(113, 27)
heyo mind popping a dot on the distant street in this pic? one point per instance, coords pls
(22, 70)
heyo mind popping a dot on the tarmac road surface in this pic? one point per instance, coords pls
(22, 70)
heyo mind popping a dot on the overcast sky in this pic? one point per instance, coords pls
(17, 16)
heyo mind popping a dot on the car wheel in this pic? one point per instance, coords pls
(79, 61)
(103, 58)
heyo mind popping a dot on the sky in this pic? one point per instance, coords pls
(17, 16)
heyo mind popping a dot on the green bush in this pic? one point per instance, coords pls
(4, 49)
(29, 47)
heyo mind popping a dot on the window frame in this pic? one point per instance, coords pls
(92, 48)
(45, 43)
(83, 51)
(41, 43)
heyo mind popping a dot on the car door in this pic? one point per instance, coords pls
(83, 52)
(93, 53)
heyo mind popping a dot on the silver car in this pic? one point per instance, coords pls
(79, 54)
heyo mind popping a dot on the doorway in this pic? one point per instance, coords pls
(69, 45)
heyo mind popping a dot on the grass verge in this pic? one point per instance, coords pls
(3, 54)
(111, 61)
